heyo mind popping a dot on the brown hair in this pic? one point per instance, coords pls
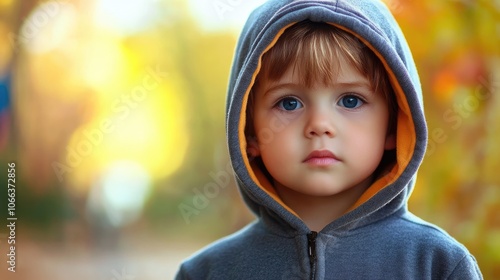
(317, 48)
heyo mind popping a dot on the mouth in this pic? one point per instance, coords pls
(321, 158)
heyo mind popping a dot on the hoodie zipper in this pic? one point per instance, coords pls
(311, 246)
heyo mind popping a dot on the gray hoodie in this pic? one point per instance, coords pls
(378, 238)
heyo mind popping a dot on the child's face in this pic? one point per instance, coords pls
(321, 140)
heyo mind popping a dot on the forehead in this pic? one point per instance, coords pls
(344, 74)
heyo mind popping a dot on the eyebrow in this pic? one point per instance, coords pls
(362, 83)
(283, 86)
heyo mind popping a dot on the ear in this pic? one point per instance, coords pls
(252, 147)
(390, 142)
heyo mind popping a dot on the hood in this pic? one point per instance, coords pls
(373, 24)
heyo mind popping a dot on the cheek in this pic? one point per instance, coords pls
(277, 152)
(273, 137)
(277, 143)
(376, 122)
(367, 135)
(271, 127)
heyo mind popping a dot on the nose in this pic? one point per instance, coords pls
(320, 124)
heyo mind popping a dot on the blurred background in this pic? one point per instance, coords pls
(113, 113)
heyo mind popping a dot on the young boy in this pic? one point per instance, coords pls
(326, 132)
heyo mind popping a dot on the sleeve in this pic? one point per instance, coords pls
(466, 269)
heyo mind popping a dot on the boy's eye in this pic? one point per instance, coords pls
(289, 104)
(350, 102)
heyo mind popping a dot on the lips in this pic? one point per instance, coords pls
(321, 158)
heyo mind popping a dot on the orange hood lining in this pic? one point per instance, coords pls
(405, 137)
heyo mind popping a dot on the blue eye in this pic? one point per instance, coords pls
(350, 102)
(289, 104)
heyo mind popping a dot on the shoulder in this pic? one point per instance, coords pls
(221, 253)
(409, 231)
(429, 246)
(419, 230)
(405, 230)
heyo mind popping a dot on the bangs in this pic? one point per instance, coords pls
(318, 50)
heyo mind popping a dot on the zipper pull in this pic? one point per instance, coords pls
(311, 246)
(311, 242)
